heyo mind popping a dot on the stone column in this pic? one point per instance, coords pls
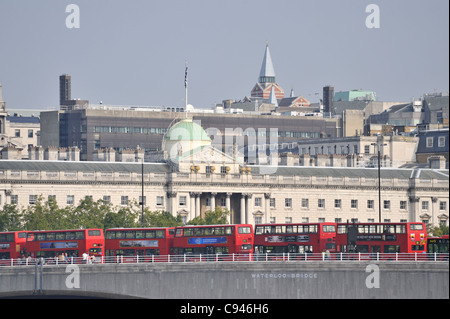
(171, 198)
(267, 206)
(228, 205)
(434, 211)
(213, 201)
(414, 202)
(192, 205)
(248, 208)
(242, 221)
(197, 204)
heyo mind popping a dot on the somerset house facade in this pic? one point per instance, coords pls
(192, 177)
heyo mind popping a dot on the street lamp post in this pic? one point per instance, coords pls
(142, 196)
(378, 145)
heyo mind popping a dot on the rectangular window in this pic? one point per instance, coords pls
(305, 202)
(70, 199)
(258, 201)
(272, 202)
(429, 142)
(370, 204)
(288, 202)
(182, 200)
(387, 204)
(425, 205)
(321, 203)
(354, 203)
(337, 203)
(14, 199)
(159, 200)
(403, 204)
(441, 141)
(107, 199)
(442, 205)
(124, 200)
(32, 199)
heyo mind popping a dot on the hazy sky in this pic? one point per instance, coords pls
(133, 52)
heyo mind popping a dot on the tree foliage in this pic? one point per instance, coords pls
(47, 215)
(218, 216)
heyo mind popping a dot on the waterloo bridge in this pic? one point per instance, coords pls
(232, 280)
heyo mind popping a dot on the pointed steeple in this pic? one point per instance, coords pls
(267, 74)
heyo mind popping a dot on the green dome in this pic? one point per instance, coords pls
(186, 130)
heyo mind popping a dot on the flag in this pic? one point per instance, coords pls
(185, 77)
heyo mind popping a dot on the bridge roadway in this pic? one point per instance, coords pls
(234, 280)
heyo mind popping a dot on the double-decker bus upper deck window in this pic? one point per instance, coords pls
(40, 237)
(179, 232)
(198, 231)
(416, 226)
(59, 236)
(150, 234)
(188, 232)
(329, 228)
(110, 235)
(219, 231)
(94, 232)
(50, 236)
(401, 229)
(208, 231)
(7, 238)
(259, 230)
(228, 230)
(389, 229)
(342, 229)
(22, 235)
(160, 233)
(70, 235)
(290, 229)
(244, 230)
(130, 234)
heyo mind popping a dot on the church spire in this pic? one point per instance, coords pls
(267, 74)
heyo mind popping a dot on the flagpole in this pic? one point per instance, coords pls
(186, 86)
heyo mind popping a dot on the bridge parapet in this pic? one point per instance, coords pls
(234, 280)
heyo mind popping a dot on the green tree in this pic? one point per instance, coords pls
(437, 231)
(161, 219)
(45, 215)
(218, 216)
(125, 217)
(89, 213)
(10, 218)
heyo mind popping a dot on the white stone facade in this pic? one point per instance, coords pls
(287, 194)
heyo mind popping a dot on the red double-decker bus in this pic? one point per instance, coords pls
(142, 242)
(69, 243)
(295, 238)
(12, 245)
(386, 238)
(213, 239)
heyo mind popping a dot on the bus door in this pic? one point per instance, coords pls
(292, 248)
(375, 249)
(140, 252)
(210, 250)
